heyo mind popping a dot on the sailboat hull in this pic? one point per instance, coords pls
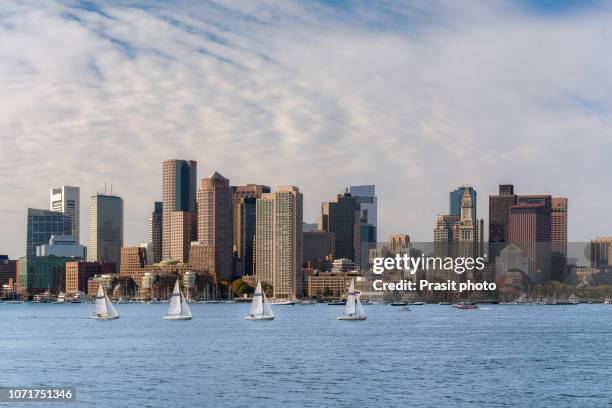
(351, 318)
(104, 317)
(168, 317)
(259, 318)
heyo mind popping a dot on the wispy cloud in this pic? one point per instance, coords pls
(415, 97)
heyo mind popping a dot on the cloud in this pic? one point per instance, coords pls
(415, 97)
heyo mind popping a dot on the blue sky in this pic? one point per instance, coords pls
(415, 97)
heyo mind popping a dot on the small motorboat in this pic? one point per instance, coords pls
(465, 305)
(400, 303)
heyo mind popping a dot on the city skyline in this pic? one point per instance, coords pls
(416, 100)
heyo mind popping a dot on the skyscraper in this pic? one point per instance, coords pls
(244, 221)
(182, 233)
(368, 217)
(42, 224)
(215, 221)
(530, 229)
(278, 241)
(499, 218)
(155, 231)
(559, 225)
(66, 200)
(106, 232)
(178, 194)
(342, 217)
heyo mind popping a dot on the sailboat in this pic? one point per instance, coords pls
(178, 309)
(353, 309)
(260, 308)
(103, 309)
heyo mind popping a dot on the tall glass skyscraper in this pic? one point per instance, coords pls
(106, 228)
(368, 210)
(44, 223)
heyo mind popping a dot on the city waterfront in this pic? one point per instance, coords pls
(431, 356)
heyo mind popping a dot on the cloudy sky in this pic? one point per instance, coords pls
(416, 97)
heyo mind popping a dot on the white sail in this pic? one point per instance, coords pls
(103, 308)
(110, 308)
(100, 307)
(174, 308)
(184, 307)
(257, 303)
(267, 310)
(359, 309)
(350, 309)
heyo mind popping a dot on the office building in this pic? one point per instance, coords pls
(42, 224)
(558, 225)
(318, 246)
(342, 217)
(215, 221)
(62, 245)
(66, 200)
(530, 230)
(600, 250)
(244, 221)
(499, 218)
(155, 231)
(278, 241)
(106, 231)
(8, 270)
(182, 233)
(178, 194)
(40, 273)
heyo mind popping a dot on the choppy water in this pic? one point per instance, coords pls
(433, 356)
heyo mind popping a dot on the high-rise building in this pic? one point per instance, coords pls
(278, 241)
(530, 230)
(399, 243)
(559, 225)
(318, 246)
(342, 218)
(215, 221)
(66, 200)
(178, 194)
(42, 224)
(456, 197)
(182, 233)
(155, 231)
(244, 221)
(499, 218)
(106, 231)
(8, 271)
(368, 218)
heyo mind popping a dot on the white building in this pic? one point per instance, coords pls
(65, 199)
(62, 245)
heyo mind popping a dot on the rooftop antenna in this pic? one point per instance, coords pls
(111, 189)
(105, 188)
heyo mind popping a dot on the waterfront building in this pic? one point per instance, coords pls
(42, 224)
(8, 270)
(106, 231)
(62, 245)
(66, 199)
(178, 195)
(244, 222)
(215, 221)
(342, 217)
(133, 261)
(330, 284)
(278, 241)
(79, 272)
(156, 231)
(343, 265)
(40, 273)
